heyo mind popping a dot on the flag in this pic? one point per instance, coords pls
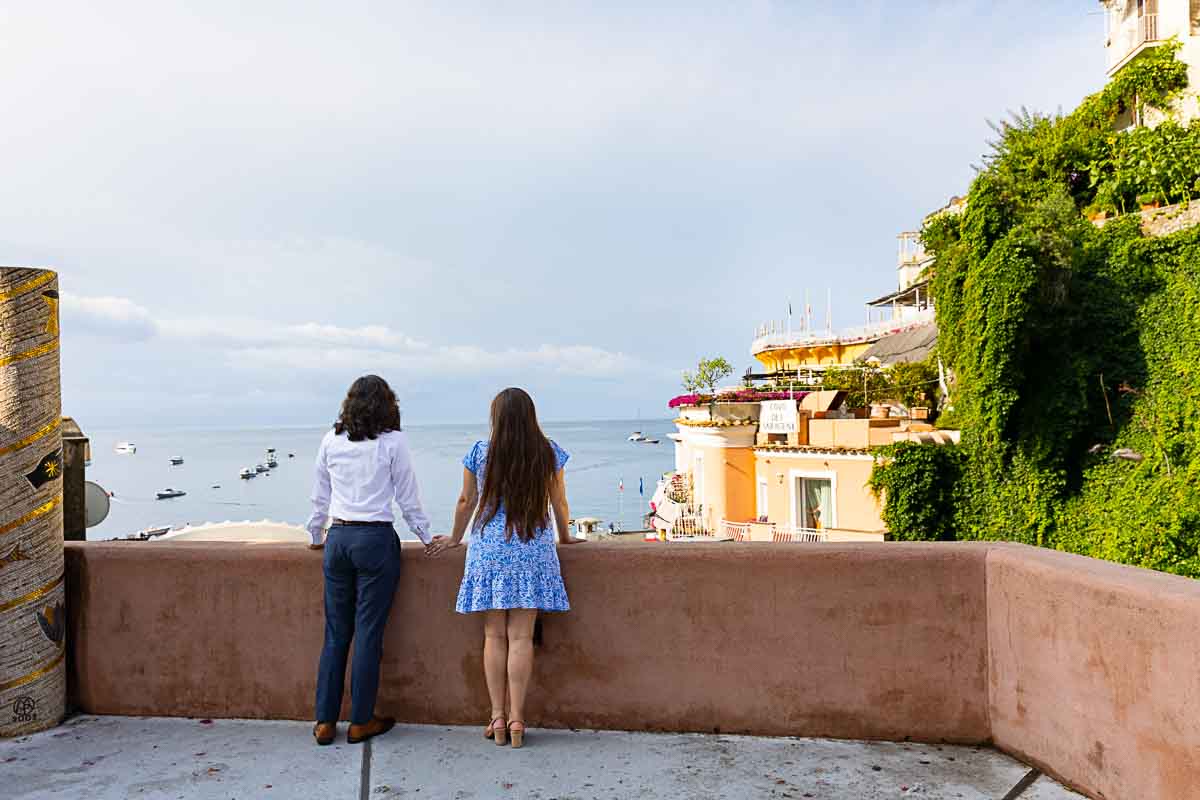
(620, 484)
(641, 488)
(48, 469)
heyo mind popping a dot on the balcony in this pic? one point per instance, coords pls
(774, 336)
(1081, 669)
(1131, 38)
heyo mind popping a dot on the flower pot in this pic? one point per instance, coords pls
(1150, 206)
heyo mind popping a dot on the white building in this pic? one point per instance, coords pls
(1131, 26)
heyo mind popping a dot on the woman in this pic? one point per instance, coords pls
(512, 567)
(363, 464)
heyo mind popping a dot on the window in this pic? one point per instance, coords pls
(761, 504)
(814, 501)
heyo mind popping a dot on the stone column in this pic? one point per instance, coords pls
(32, 622)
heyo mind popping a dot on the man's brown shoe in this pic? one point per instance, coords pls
(324, 732)
(377, 725)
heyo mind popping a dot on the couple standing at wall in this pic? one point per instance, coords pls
(510, 483)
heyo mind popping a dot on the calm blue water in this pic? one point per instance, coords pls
(600, 457)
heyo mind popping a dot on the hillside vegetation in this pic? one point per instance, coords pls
(1075, 349)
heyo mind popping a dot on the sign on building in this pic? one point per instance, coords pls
(777, 416)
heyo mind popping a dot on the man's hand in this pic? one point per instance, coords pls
(439, 545)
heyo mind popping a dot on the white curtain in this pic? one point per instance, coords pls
(818, 503)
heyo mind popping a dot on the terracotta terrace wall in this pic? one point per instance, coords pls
(1083, 668)
(852, 641)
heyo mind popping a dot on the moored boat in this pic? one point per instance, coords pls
(167, 494)
(247, 473)
(125, 448)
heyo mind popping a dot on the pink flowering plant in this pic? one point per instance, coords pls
(737, 396)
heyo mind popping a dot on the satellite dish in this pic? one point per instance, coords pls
(95, 504)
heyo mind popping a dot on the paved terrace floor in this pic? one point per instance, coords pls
(123, 757)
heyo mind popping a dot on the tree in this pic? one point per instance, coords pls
(709, 372)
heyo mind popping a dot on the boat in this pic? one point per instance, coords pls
(148, 533)
(272, 462)
(291, 455)
(636, 436)
(167, 494)
(261, 468)
(648, 441)
(176, 460)
(125, 448)
(247, 473)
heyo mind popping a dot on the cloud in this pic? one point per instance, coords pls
(117, 317)
(265, 345)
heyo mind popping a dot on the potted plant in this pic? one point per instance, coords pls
(1148, 201)
(1096, 213)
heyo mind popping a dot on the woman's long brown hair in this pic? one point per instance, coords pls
(520, 468)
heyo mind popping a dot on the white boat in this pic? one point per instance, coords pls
(261, 468)
(148, 533)
(247, 473)
(176, 460)
(167, 494)
(125, 448)
(272, 462)
(636, 436)
(648, 441)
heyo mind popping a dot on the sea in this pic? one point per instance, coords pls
(608, 476)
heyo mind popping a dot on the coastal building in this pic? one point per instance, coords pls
(798, 353)
(779, 470)
(1133, 26)
(785, 465)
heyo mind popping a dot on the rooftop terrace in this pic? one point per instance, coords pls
(1082, 669)
(120, 757)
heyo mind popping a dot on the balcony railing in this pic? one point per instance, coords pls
(740, 532)
(735, 531)
(690, 527)
(770, 336)
(782, 534)
(1132, 37)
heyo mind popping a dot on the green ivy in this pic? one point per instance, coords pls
(1076, 349)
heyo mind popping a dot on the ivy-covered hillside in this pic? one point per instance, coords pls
(1075, 349)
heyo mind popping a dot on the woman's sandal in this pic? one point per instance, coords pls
(497, 730)
(517, 734)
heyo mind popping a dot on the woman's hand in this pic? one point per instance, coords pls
(439, 545)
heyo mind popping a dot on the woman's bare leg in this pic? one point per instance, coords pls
(520, 659)
(495, 658)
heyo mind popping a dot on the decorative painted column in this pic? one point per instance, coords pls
(32, 622)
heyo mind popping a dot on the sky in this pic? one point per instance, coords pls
(250, 204)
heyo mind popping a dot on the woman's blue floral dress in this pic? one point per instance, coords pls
(508, 573)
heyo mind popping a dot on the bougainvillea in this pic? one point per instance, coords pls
(739, 396)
